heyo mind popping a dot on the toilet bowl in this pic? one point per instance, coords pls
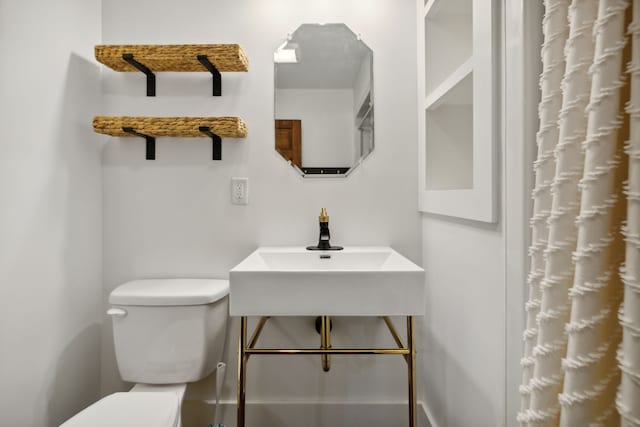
(167, 333)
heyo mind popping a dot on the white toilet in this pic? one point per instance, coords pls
(167, 332)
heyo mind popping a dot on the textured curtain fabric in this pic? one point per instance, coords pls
(556, 32)
(628, 401)
(582, 268)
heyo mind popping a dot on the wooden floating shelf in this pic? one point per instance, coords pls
(177, 57)
(214, 58)
(226, 127)
(152, 127)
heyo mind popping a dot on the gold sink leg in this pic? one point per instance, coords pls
(246, 348)
(242, 369)
(411, 364)
(325, 341)
(256, 333)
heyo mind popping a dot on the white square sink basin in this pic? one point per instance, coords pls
(357, 281)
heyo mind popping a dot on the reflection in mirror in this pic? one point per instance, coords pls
(324, 100)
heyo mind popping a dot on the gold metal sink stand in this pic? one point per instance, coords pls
(247, 348)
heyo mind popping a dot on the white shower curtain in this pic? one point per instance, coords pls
(581, 269)
(628, 401)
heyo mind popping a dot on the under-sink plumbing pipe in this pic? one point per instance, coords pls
(221, 368)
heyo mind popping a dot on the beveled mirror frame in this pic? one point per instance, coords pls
(288, 131)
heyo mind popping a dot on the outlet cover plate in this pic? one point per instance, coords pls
(240, 191)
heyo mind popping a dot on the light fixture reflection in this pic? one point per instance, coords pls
(287, 53)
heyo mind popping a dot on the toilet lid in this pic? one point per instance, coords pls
(133, 409)
(154, 292)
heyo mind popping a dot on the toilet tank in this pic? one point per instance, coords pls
(169, 330)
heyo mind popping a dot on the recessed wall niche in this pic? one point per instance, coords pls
(449, 139)
(457, 69)
(448, 39)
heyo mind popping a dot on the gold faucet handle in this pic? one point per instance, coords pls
(324, 217)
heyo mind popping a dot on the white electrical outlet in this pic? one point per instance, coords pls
(240, 191)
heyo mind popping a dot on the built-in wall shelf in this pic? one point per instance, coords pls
(458, 77)
(151, 127)
(450, 7)
(148, 59)
(457, 82)
(448, 39)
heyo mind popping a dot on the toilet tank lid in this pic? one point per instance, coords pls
(170, 292)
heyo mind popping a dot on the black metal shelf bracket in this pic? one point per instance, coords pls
(151, 78)
(216, 142)
(215, 74)
(151, 142)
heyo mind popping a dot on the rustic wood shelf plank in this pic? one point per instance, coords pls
(225, 127)
(225, 57)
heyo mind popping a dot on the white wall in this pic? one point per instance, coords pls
(472, 333)
(464, 329)
(50, 211)
(173, 216)
(327, 124)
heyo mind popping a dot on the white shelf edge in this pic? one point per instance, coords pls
(467, 203)
(433, 7)
(433, 99)
(428, 7)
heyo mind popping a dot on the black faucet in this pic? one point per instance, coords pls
(323, 241)
(325, 235)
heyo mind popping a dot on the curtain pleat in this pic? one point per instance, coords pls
(555, 35)
(628, 400)
(591, 373)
